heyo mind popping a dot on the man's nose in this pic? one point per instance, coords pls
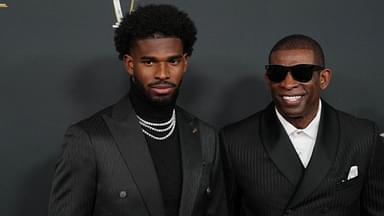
(162, 72)
(289, 82)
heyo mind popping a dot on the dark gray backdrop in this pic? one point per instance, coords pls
(58, 65)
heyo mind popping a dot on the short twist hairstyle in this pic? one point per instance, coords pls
(299, 41)
(155, 21)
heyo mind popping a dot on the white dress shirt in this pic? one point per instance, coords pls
(303, 140)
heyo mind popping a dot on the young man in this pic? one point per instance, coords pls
(143, 155)
(300, 156)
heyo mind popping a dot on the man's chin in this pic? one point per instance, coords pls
(291, 113)
(162, 99)
(293, 116)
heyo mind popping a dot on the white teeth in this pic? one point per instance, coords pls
(291, 98)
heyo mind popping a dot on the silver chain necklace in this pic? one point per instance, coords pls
(158, 127)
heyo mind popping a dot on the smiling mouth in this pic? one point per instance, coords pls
(292, 99)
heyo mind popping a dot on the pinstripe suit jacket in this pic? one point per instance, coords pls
(105, 168)
(266, 177)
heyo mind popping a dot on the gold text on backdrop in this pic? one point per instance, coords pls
(3, 5)
(119, 12)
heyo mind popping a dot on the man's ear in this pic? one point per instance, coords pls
(325, 78)
(128, 64)
(266, 79)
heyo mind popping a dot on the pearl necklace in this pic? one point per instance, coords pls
(158, 127)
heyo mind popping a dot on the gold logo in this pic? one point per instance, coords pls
(3, 5)
(119, 11)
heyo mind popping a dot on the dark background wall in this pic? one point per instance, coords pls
(58, 65)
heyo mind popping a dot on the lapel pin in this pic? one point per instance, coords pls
(194, 130)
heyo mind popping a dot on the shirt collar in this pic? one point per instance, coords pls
(310, 130)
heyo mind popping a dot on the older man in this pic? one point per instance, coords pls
(300, 156)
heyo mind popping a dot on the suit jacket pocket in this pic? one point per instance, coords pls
(348, 192)
(347, 184)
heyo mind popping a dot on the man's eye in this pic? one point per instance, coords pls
(174, 61)
(147, 62)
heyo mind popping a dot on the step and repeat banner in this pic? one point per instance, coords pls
(58, 65)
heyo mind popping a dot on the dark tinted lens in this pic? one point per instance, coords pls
(276, 73)
(302, 73)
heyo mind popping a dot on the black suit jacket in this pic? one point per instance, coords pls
(266, 176)
(105, 168)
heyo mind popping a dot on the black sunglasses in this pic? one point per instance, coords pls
(300, 72)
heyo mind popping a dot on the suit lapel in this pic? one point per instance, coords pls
(279, 147)
(130, 140)
(191, 156)
(323, 155)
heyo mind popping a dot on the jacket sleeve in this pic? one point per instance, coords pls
(233, 196)
(74, 181)
(372, 202)
(218, 202)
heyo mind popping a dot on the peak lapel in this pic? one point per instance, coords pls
(323, 156)
(130, 140)
(191, 155)
(279, 147)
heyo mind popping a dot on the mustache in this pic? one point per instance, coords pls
(163, 83)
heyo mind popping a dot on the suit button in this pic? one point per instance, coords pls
(209, 191)
(288, 211)
(123, 194)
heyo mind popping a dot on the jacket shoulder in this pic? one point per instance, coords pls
(189, 116)
(93, 122)
(244, 125)
(350, 122)
(352, 128)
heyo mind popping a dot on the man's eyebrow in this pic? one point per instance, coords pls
(152, 58)
(175, 57)
(148, 58)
